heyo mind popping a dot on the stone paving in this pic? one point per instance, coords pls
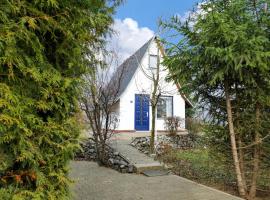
(132, 154)
(98, 183)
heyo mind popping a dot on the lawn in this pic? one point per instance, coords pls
(199, 165)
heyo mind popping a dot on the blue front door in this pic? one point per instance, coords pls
(141, 112)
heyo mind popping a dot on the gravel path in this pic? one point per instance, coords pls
(99, 183)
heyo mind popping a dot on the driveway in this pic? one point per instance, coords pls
(98, 183)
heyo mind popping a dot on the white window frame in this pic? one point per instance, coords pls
(156, 59)
(167, 107)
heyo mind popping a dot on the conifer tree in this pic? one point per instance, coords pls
(45, 46)
(223, 59)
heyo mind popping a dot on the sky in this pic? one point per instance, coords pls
(136, 21)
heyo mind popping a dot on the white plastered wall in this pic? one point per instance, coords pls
(141, 84)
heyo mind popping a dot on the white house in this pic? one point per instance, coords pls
(133, 107)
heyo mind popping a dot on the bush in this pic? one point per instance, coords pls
(172, 124)
(194, 126)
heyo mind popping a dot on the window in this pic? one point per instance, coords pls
(153, 61)
(165, 107)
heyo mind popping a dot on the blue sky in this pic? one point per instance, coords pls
(147, 12)
(136, 21)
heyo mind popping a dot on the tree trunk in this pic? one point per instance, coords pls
(256, 159)
(239, 138)
(153, 125)
(242, 162)
(240, 184)
(154, 100)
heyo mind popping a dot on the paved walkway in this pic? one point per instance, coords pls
(99, 183)
(141, 162)
(131, 153)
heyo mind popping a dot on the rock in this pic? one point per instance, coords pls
(114, 159)
(176, 142)
(123, 163)
(152, 155)
(122, 166)
(91, 150)
(116, 162)
(111, 161)
(130, 168)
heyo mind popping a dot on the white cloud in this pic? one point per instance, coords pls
(192, 16)
(184, 18)
(129, 37)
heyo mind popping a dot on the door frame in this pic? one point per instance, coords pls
(147, 128)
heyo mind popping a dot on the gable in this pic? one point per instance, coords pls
(129, 67)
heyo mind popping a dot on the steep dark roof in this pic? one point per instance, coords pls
(129, 67)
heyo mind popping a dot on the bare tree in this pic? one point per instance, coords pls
(156, 93)
(156, 74)
(100, 95)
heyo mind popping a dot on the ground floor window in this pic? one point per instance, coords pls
(165, 107)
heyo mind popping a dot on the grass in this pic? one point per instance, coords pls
(199, 165)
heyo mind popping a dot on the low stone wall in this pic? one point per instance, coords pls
(115, 159)
(177, 142)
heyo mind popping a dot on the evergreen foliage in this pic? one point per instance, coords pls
(45, 46)
(224, 56)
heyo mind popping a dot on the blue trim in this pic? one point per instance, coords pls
(141, 112)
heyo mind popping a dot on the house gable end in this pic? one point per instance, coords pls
(129, 67)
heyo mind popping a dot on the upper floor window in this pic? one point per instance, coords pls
(153, 61)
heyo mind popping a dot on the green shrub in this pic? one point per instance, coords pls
(44, 51)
